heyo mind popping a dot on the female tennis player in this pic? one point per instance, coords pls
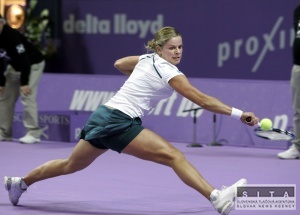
(117, 125)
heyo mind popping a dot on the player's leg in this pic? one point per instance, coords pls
(150, 146)
(82, 156)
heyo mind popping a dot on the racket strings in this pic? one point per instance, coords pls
(275, 134)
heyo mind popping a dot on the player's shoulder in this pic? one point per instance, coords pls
(163, 64)
(158, 62)
(146, 56)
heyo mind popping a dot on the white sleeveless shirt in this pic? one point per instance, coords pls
(145, 87)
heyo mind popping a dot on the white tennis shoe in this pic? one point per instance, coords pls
(13, 186)
(29, 139)
(291, 153)
(223, 200)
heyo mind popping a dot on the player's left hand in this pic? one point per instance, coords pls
(25, 90)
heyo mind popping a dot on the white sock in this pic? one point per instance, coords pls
(214, 195)
(23, 185)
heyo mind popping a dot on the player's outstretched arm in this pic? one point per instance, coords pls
(126, 64)
(182, 85)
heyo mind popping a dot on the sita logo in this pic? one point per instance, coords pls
(119, 25)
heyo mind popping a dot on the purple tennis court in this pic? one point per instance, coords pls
(123, 185)
(237, 51)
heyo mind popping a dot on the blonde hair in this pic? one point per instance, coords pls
(161, 37)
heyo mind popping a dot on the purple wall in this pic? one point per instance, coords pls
(226, 39)
(75, 96)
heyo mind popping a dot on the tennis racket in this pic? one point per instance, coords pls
(273, 133)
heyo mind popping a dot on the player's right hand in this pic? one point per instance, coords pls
(254, 119)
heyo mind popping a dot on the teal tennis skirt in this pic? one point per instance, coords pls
(109, 128)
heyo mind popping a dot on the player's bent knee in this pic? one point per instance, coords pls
(178, 155)
(174, 156)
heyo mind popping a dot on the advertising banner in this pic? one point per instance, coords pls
(230, 39)
(66, 101)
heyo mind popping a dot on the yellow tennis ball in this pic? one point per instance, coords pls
(266, 124)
